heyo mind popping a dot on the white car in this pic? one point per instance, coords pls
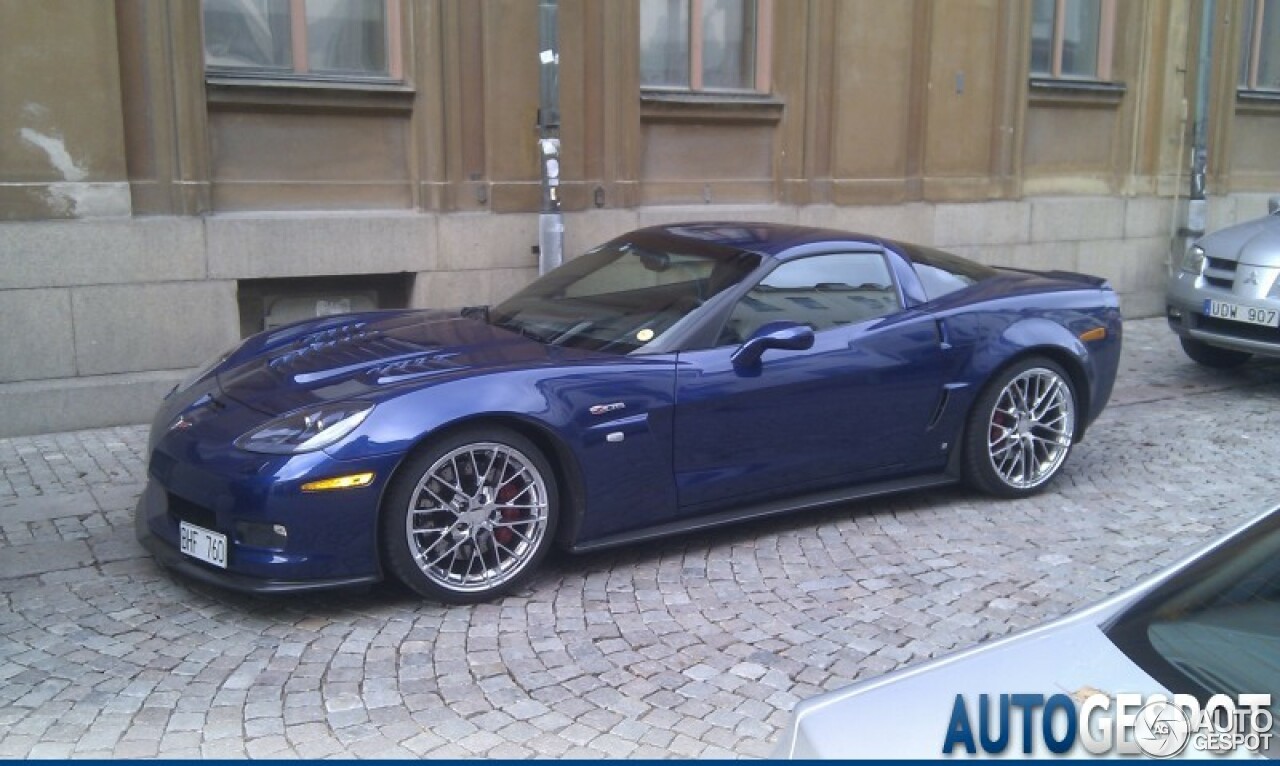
(1207, 629)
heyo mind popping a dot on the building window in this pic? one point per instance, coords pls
(705, 45)
(1260, 47)
(1072, 39)
(336, 39)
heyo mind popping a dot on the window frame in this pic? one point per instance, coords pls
(762, 84)
(1252, 40)
(1106, 35)
(300, 67)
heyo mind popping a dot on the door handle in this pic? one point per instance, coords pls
(944, 338)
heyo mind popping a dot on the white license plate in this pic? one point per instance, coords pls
(1237, 313)
(200, 543)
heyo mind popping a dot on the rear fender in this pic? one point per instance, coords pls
(1091, 364)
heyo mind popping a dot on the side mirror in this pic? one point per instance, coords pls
(783, 335)
(658, 262)
(1273, 206)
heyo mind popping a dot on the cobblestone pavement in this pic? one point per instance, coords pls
(698, 646)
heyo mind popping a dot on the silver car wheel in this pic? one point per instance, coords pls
(1031, 428)
(477, 517)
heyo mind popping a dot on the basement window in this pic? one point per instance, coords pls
(266, 304)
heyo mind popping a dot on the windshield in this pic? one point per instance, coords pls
(623, 296)
(1215, 628)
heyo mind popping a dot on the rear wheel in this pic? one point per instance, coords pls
(1212, 356)
(1021, 429)
(470, 516)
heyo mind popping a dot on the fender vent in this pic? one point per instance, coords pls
(942, 407)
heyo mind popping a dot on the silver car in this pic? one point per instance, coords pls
(1207, 626)
(1224, 300)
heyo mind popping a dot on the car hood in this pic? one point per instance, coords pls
(906, 714)
(1254, 243)
(368, 356)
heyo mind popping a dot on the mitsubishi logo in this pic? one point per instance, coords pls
(1252, 279)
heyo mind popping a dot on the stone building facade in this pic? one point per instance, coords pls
(177, 174)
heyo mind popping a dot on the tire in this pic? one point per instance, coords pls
(1021, 429)
(1212, 356)
(469, 517)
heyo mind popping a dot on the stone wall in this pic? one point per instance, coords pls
(103, 316)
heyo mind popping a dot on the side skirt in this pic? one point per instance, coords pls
(762, 510)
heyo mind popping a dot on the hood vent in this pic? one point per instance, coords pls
(343, 351)
(350, 331)
(416, 367)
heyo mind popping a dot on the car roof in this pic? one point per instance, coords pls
(766, 239)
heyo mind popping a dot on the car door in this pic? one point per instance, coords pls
(855, 405)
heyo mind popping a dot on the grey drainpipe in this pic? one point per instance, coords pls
(1197, 204)
(550, 219)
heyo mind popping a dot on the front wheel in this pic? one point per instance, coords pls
(469, 517)
(1021, 429)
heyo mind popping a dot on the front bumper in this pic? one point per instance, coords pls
(152, 513)
(195, 475)
(1185, 301)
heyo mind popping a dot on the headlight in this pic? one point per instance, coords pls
(1193, 261)
(306, 430)
(206, 368)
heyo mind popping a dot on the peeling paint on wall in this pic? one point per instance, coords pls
(73, 196)
(93, 200)
(56, 149)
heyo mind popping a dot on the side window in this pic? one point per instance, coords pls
(822, 291)
(942, 273)
(938, 281)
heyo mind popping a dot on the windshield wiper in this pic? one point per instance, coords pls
(578, 328)
(523, 329)
(476, 312)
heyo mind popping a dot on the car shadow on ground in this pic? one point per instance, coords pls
(390, 596)
(802, 523)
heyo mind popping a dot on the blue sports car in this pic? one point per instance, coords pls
(672, 379)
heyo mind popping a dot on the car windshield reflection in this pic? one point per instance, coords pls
(621, 297)
(1215, 628)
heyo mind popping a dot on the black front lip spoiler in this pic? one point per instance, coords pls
(169, 557)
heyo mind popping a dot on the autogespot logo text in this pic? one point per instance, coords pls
(1128, 724)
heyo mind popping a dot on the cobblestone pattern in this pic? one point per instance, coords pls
(697, 646)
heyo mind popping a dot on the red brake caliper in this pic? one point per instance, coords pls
(504, 535)
(998, 423)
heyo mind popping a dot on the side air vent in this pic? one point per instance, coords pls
(941, 408)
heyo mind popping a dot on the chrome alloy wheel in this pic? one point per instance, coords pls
(1031, 428)
(476, 517)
